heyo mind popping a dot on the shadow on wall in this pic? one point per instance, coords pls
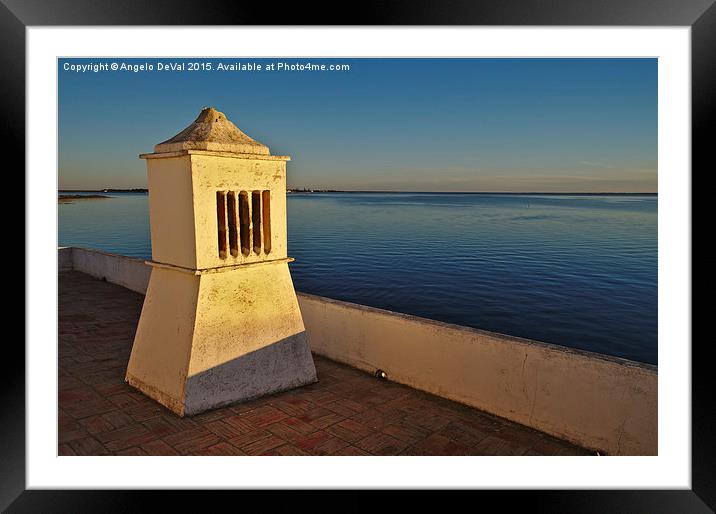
(268, 370)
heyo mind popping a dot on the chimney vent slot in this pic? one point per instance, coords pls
(233, 235)
(244, 223)
(266, 205)
(256, 220)
(221, 222)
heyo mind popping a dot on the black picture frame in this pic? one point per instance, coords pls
(700, 15)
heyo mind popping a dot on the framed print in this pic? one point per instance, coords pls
(440, 248)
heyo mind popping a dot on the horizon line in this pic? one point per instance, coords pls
(319, 190)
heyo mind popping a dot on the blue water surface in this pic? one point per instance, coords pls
(579, 271)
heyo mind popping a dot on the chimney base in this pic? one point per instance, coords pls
(211, 339)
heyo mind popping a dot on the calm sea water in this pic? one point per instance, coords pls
(580, 271)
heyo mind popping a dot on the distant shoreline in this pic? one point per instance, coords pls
(506, 193)
(138, 190)
(314, 191)
(70, 198)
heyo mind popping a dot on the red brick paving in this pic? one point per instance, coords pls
(347, 412)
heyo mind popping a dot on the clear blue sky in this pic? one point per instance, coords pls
(387, 124)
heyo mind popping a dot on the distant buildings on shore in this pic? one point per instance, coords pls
(135, 190)
(143, 190)
(304, 190)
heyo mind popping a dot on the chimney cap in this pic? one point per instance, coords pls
(212, 131)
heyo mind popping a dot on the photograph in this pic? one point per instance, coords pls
(303, 256)
(425, 247)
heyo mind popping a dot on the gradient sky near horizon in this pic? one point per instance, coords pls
(513, 125)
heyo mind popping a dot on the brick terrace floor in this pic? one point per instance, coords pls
(348, 412)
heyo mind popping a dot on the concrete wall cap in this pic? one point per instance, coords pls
(212, 131)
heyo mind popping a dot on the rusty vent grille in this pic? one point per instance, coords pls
(243, 223)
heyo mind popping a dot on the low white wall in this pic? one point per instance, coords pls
(118, 269)
(596, 401)
(64, 258)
